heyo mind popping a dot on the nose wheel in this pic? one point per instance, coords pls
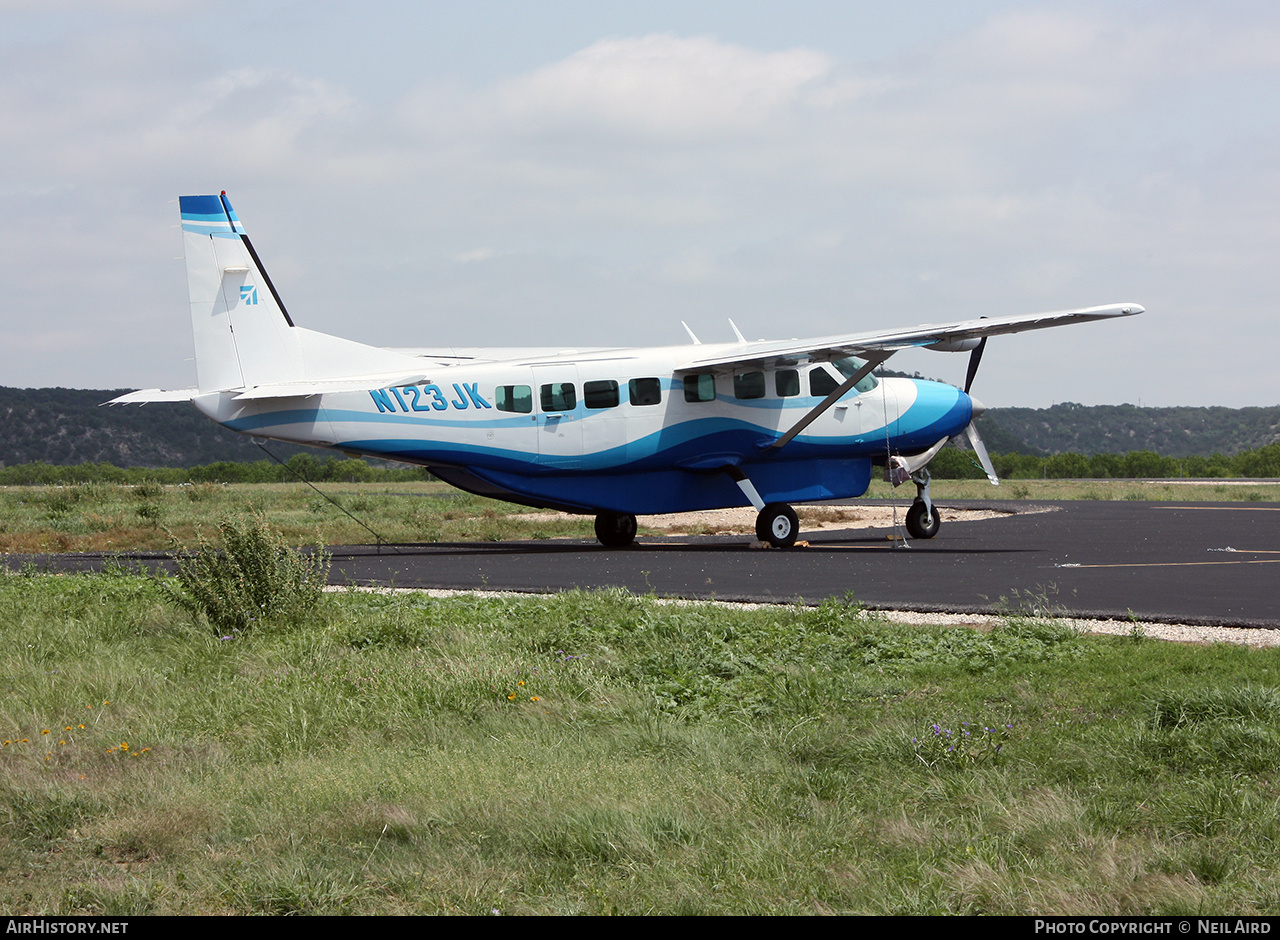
(615, 529)
(923, 520)
(778, 525)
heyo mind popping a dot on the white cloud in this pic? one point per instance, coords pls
(664, 86)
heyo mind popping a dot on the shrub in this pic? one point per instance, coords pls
(254, 580)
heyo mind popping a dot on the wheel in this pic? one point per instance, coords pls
(920, 523)
(615, 529)
(778, 525)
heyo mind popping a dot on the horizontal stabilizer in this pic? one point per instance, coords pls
(148, 395)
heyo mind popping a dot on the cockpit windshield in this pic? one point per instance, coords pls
(850, 366)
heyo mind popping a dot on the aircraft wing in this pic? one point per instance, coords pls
(953, 337)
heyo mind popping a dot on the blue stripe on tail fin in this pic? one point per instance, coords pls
(209, 215)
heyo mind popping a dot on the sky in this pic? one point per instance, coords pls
(578, 174)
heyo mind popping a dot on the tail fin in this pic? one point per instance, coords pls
(243, 334)
(244, 337)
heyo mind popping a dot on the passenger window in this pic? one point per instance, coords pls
(602, 394)
(517, 398)
(786, 382)
(559, 396)
(748, 385)
(645, 391)
(701, 387)
(821, 382)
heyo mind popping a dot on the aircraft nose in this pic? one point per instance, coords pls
(978, 407)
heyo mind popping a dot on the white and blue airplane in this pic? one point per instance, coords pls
(606, 432)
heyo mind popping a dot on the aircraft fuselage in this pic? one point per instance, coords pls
(619, 431)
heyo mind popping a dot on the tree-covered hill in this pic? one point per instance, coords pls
(65, 426)
(1119, 429)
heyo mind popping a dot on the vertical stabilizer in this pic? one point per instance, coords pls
(243, 335)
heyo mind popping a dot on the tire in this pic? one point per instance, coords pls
(615, 529)
(920, 523)
(778, 525)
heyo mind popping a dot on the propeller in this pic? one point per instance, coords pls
(975, 439)
(971, 431)
(975, 357)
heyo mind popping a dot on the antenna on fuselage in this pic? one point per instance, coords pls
(737, 332)
(696, 341)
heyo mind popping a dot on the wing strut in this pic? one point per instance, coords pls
(874, 359)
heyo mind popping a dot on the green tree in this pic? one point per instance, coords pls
(1066, 466)
(1262, 462)
(1147, 464)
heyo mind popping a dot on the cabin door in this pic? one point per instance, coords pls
(558, 397)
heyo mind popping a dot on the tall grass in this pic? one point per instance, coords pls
(115, 517)
(599, 753)
(255, 579)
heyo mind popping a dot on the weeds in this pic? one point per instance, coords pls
(256, 579)
(969, 743)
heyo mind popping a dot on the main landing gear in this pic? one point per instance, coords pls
(615, 529)
(778, 525)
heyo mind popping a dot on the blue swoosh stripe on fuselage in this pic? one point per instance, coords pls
(937, 412)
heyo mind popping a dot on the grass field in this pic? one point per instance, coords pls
(113, 517)
(602, 753)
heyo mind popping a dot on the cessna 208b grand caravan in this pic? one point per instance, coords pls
(607, 432)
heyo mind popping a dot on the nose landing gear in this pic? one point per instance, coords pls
(923, 520)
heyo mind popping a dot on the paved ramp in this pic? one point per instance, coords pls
(1210, 563)
(1200, 563)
